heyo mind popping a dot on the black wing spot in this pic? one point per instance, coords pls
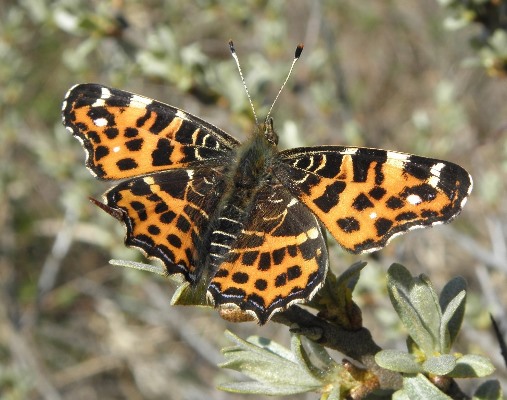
(281, 280)
(249, 257)
(182, 224)
(382, 225)
(153, 230)
(394, 203)
(240, 277)
(126, 164)
(331, 196)
(111, 133)
(174, 240)
(131, 132)
(264, 262)
(377, 192)
(139, 208)
(100, 152)
(294, 272)
(222, 273)
(135, 144)
(261, 284)
(162, 154)
(348, 224)
(362, 202)
(406, 216)
(278, 256)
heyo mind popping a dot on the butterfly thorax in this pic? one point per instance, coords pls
(253, 160)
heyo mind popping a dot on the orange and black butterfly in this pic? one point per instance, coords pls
(243, 222)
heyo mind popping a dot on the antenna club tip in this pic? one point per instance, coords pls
(231, 46)
(299, 50)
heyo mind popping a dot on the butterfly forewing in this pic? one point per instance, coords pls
(127, 135)
(279, 257)
(366, 196)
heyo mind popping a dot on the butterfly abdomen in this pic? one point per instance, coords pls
(246, 175)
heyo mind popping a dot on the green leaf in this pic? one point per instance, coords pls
(450, 292)
(155, 269)
(190, 295)
(472, 366)
(400, 395)
(425, 300)
(416, 303)
(350, 276)
(276, 370)
(456, 305)
(440, 365)
(489, 390)
(398, 361)
(304, 360)
(261, 388)
(320, 354)
(420, 388)
(272, 346)
(334, 300)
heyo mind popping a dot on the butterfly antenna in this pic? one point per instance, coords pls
(235, 56)
(297, 54)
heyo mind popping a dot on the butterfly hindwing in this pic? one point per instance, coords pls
(165, 214)
(280, 256)
(366, 196)
(127, 135)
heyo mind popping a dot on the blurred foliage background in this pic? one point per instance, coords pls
(383, 74)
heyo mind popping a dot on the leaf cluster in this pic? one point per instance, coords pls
(428, 368)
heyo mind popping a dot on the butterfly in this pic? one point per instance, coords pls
(243, 223)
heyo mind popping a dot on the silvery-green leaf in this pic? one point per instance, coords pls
(449, 293)
(400, 395)
(439, 365)
(453, 312)
(398, 361)
(420, 388)
(262, 388)
(416, 303)
(489, 390)
(303, 359)
(472, 366)
(272, 346)
(320, 353)
(276, 370)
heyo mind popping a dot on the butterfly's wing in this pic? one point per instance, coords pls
(367, 196)
(127, 135)
(165, 214)
(279, 257)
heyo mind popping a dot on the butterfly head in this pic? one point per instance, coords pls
(267, 130)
